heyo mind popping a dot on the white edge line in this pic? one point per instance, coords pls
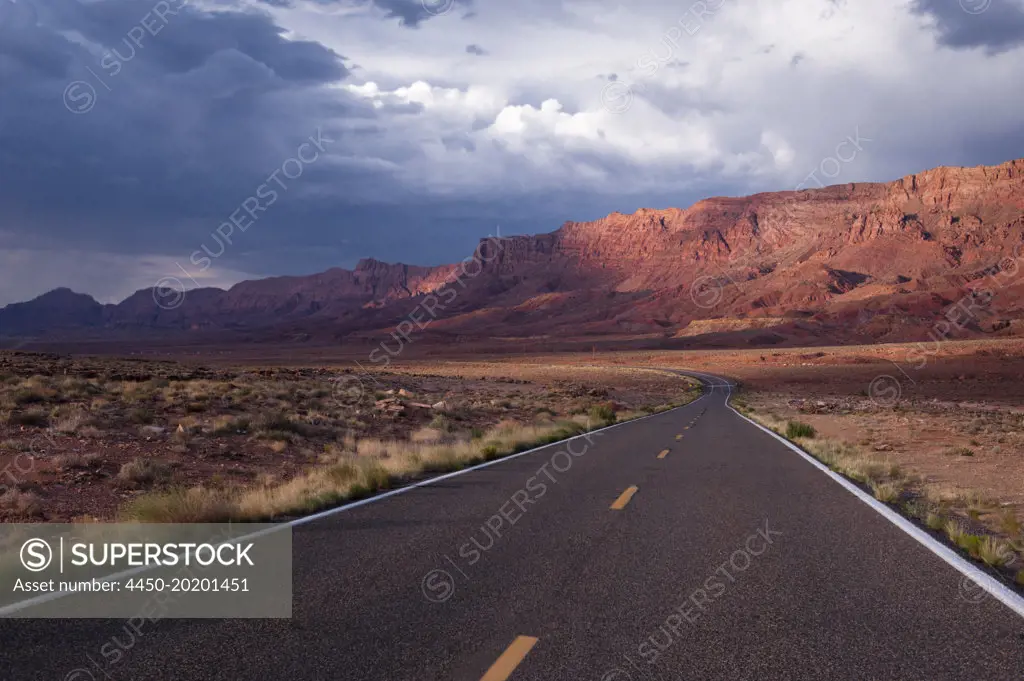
(52, 596)
(994, 587)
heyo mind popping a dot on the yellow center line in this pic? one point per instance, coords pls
(624, 498)
(510, 659)
(679, 437)
(663, 454)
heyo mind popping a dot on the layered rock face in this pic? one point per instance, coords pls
(875, 261)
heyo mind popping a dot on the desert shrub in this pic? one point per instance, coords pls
(66, 462)
(230, 425)
(602, 413)
(70, 423)
(141, 472)
(795, 429)
(442, 423)
(994, 552)
(886, 492)
(277, 421)
(343, 476)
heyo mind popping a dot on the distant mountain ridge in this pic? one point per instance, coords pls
(872, 261)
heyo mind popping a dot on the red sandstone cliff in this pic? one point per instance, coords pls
(855, 261)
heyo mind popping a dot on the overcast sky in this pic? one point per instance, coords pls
(406, 130)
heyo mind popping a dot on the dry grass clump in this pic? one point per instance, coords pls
(990, 550)
(427, 435)
(854, 463)
(141, 472)
(70, 423)
(796, 429)
(319, 488)
(68, 462)
(231, 425)
(276, 426)
(994, 552)
(195, 505)
(1009, 523)
(603, 414)
(346, 473)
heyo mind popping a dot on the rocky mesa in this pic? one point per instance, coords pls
(847, 263)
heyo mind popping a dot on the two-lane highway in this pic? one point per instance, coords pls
(687, 545)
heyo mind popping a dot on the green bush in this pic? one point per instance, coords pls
(796, 429)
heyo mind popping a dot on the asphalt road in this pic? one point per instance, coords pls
(728, 557)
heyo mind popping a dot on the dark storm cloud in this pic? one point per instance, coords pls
(410, 13)
(996, 25)
(413, 12)
(123, 145)
(180, 122)
(186, 39)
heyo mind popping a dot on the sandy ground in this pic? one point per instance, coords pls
(950, 413)
(81, 437)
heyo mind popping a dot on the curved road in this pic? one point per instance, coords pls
(687, 545)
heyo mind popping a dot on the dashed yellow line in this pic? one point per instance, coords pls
(624, 498)
(679, 437)
(663, 454)
(510, 659)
